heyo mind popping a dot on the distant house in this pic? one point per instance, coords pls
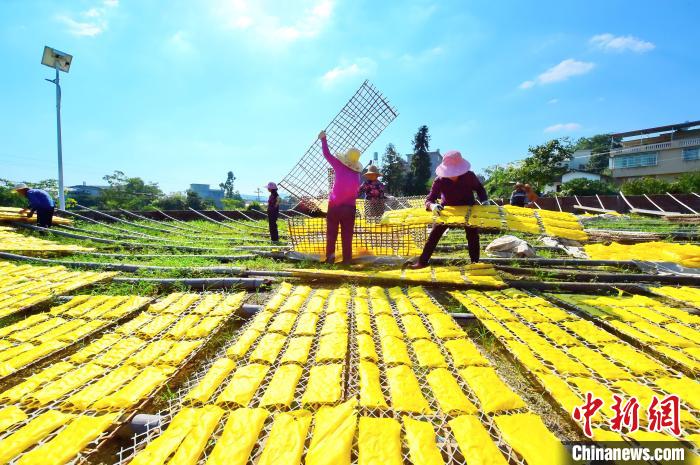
(206, 192)
(661, 152)
(84, 189)
(579, 160)
(570, 176)
(435, 160)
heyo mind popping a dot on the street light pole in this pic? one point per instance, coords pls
(61, 194)
(59, 61)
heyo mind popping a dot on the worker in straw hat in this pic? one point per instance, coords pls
(40, 202)
(454, 185)
(372, 189)
(341, 201)
(273, 211)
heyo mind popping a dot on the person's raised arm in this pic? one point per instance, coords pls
(333, 161)
(480, 191)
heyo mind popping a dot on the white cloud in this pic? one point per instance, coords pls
(563, 127)
(91, 22)
(423, 56)
(611, 43)
(560, 72)
(553, 101)
(275, 21)
(360, 68)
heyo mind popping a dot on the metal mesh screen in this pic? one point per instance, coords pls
(358, 124)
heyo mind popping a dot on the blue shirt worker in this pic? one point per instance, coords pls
(40, 202)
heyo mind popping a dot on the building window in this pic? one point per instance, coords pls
(691, 154)
(637, 160)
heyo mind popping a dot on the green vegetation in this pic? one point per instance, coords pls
(419, 171)
(685, 184)
(583, 186)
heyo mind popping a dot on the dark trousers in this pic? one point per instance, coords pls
(272, 222)
(44, 217)
(342, 216)
(436, 234)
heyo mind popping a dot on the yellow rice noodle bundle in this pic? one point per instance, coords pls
(684, 254)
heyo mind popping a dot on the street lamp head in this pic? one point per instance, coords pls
(56, 59)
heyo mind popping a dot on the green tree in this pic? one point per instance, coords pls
(500, 180)
(583, 186)
(194, 200)
(175, 201)
(546, 163)
(646, 185)
(232, 204)
(227, 186)
(600, 146)
(419, 170)
(686, 183)
(393, 171)
(128, 193)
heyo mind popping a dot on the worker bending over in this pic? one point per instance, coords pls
(40, 202)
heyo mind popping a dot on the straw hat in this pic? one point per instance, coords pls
(20, 186)
(271, 185)
(351, 159)
(452, 165)
(373, 171)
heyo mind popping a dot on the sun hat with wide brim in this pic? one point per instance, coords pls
(271, 185)
(351, 159)
(20, 186)
(373, 171)
(452, 165)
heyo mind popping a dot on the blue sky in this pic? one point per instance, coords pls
(180, 92)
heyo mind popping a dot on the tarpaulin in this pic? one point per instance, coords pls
(494, 395)
(281, 389)
(379, 442)
(325, 385)
(216, 374)
(529, 437)
(474, 441)
(243, 384)
(286, 441)
(420, 438)
(239, 436)
(448, 393)
(334, 429)
(405, 391)
(370, 388)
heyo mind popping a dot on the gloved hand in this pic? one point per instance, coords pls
(436, 207)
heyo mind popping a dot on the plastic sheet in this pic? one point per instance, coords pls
(297, 350)
(428, 354)
(406, 395)
(243, 384)
(69, 442)
(415, 329)
(137, 389)
(10, 416)
(238, 438)
(464, 353)
(598, 363)
(31, 433)
(280, 391)
(217, 373)
(529, 437)
(268, 348)
(324, 386)
(370, 387)
(332, 347)
(365, 348)
(448, 393)
(420, 439)
(196, 440)
(158, 450)
(242, 344)
(394, 351)
(474, 441)
(631, 358)
(494, 395)
(286, 441)
(379, 442)
(334, 429)
(102, 387)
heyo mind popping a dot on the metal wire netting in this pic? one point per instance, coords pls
(358, 124)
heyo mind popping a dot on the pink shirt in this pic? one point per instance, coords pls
(346, 183)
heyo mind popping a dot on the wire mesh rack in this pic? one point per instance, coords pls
(357, 125)
(308, 236)
(507, 332)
